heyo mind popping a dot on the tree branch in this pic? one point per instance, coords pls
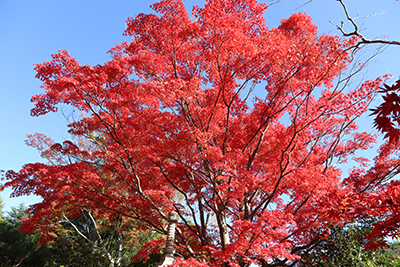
(356, 32)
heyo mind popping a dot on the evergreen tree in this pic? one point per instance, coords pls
(345, 247)
(19, 249)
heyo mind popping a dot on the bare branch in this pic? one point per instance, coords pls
(306, 3)
(271, 2)
(356, 32)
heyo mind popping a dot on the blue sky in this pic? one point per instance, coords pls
(30, 31)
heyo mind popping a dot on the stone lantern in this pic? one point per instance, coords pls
(169, 250)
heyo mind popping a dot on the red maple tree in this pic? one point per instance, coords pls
(171, 124)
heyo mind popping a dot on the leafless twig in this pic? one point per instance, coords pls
(356, 31)
(271, 2)
(306, 3)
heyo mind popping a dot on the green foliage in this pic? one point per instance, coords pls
(72, 252)
(19, 249)
(1, 209)
(17, 214)
(345, 248)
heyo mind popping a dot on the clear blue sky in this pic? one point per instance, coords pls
(30, 31)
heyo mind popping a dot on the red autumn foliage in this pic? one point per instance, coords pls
(387, 114)
(168, 124)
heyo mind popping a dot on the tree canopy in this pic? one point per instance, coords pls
(235, 126)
